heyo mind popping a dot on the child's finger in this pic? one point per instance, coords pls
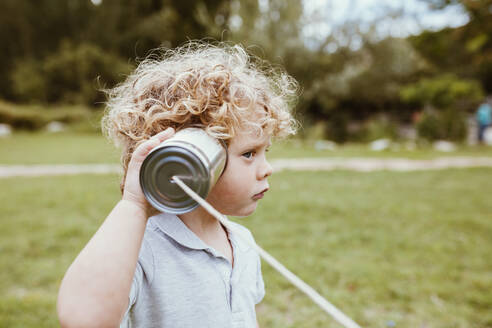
(144, 148)
(163, 135)
(155, 140)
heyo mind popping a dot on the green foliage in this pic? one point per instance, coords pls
(466, 50)
(454, 125)
(29, 81)
(378, 128)
(477, 43)
(443, 91)
(445, 125)
(121, 31)
(74, 74)
(391, 63)
(314, 131)
(428, 127)
(439, 48)
(54, 53)
(336, 127)
(33, 29)
(339, 129)
(33, 117)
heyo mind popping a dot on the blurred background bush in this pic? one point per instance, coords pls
(362, 79)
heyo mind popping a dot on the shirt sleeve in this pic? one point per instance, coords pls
(132, 297)
(260, 285)
(143, 270)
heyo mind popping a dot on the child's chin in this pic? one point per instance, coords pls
(244, 212)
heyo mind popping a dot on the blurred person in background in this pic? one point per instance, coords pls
(484, 118)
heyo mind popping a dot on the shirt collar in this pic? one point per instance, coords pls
(173, 227)
(236, 240)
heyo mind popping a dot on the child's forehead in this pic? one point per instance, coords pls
(250, 138)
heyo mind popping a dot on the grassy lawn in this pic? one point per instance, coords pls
(57, 148)
(70, 147)
(389, 249)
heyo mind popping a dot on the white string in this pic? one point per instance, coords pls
(296, 281)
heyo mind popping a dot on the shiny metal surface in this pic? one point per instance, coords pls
(194, 156)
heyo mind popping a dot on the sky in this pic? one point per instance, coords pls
(411, 16)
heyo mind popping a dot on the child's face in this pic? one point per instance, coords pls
(239, 188)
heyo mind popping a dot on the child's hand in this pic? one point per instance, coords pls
(132, 191)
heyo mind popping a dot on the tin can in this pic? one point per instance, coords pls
(191, 154)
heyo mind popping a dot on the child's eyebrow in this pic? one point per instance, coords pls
(258, 145)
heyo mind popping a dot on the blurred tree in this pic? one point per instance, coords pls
(55, 51)
(354, 85)
(448, 124)
(391, 63)
(133, 27)
(477, 9)
(34, 30)
(446, 100)
(443, 92)
(73, 74)
(466, 50)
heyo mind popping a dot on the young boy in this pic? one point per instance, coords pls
(149, 269)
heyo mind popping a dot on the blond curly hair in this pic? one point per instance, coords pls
(218, 87)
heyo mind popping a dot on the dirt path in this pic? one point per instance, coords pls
(298, 164)
(365, 164)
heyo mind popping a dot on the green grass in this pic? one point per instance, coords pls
(57, 148)
(411, 248)
(45, 222)
(71, 147)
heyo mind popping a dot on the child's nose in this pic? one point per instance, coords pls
(265, 171)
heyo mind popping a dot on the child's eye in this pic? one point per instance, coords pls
(248, 154)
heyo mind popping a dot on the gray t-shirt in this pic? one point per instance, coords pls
(182, 282)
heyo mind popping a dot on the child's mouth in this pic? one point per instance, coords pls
(260, 194)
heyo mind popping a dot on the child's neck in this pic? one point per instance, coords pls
(201, 223)
(209, 230)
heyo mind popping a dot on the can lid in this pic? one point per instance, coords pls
(158, 187)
